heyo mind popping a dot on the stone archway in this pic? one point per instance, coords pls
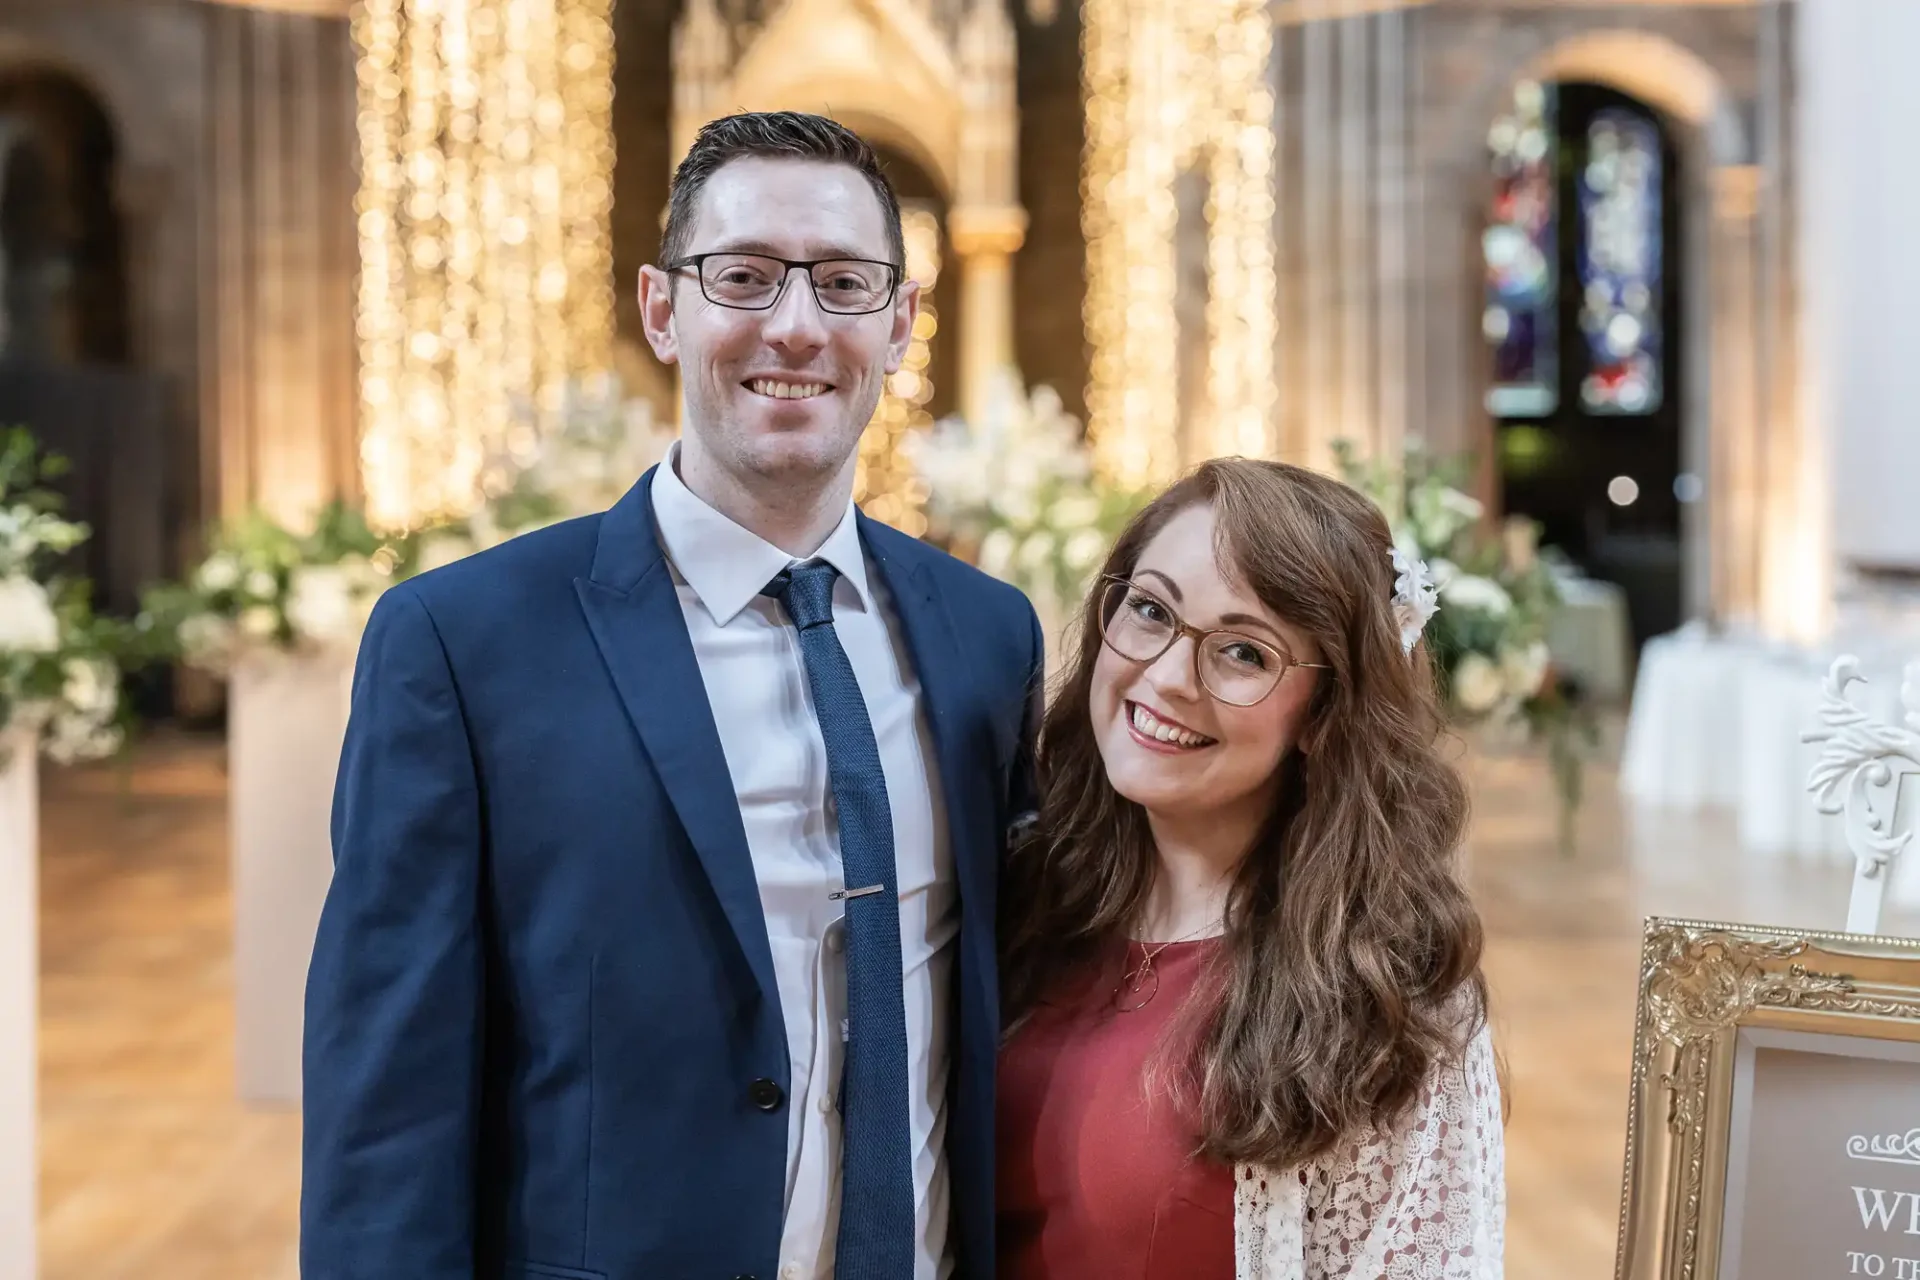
(128, 69)
(1725, 326)
(64, 286)
(1646, 66)
(152, 205)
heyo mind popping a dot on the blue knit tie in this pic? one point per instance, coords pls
(877, 1226)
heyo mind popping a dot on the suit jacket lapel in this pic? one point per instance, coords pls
(946, 689)
(634, 613)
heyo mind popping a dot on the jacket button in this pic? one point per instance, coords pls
(766, 1095)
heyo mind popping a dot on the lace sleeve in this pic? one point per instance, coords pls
(1424, 1202)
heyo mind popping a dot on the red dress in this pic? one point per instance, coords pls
(1098, 1181)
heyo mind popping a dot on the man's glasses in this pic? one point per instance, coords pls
(754, 282)
(1237, 669)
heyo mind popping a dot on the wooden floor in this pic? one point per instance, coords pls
(152, 1170)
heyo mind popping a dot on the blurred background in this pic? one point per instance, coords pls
(1608, 302)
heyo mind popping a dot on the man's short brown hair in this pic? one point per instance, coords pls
(791, 134)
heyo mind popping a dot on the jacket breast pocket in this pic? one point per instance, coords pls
(547, 1271)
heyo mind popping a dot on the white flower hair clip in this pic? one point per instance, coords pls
(1415, 600)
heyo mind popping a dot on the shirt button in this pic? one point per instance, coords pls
(826, 1104)
(790, 1272)
(836, 940)
(766, 1095)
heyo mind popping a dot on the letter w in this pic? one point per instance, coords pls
(1881, 1214)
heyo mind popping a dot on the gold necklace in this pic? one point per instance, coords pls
(1134, 981)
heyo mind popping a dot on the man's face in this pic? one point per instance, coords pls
(779, 396)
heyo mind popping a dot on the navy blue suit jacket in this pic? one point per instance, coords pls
(543, 1038)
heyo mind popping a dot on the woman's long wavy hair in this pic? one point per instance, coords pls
(1351, 960)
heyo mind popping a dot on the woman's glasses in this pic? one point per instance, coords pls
(1237, 669)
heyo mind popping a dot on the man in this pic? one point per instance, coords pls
(660, 943)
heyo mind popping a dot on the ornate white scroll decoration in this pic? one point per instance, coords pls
(1863, 759)
(1892, 1148)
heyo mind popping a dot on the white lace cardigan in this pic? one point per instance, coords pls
(1424, 1202)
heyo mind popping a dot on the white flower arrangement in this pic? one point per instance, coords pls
(1438, 513)
(1489, 639)
(1478, 592)
(1477, 686)
(59, 673)
(1496, 594)
(267, 587)
(1017, 492)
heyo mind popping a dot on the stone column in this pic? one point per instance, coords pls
(702, 66)
(1734, 475)
(985, 240)
(703, 57)
(986, 224)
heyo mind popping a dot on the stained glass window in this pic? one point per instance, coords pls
(1620, 252)
(1519, 247)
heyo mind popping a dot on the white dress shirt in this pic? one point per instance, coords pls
(756, 683)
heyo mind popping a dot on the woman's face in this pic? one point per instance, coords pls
(1169, 745)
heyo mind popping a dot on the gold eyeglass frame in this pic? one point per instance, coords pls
(1199, 636)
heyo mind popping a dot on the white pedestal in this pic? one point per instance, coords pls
(286, 720)
(19, 1009)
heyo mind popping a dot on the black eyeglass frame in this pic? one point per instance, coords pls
(806, 266)
(1199, 636)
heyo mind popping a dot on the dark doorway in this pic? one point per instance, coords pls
(1584, 321)
(67, 364)
(65, 260)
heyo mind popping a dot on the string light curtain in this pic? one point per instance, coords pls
(1242, 290)
(1172, 85)
(486, 272)
(884, 481)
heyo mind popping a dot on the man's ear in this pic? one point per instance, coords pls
(656, 314)
(906, 308)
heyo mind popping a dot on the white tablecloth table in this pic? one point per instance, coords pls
(1716, 723)
(1589, 637)
(1685, 713)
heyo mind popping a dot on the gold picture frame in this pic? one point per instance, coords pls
(1708, 993)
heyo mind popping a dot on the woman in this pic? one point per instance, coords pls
(1247, 1032)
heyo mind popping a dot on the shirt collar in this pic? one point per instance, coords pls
(726, 565)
